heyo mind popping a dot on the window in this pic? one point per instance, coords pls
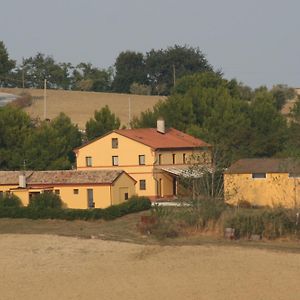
(114, 143)
(57, 192)
(159, 159)
(88, 161)
(126, 196)
(174, 158)
(184, 158)
(142, 184)
(115, 160)
(259, 175)
(141, 159)
(75, 191)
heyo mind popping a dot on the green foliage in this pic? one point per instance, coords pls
(268, 223)
(52, 143)
(130, 68)
(281, 93)
(103, 122)
(10, 200)
(6, 65)
(45, 200)
(48, 206)
(15, 127)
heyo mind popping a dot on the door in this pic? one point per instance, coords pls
(90, 197)
(174, 186)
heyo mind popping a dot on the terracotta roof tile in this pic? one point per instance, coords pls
(264, 165)
(171, 139)
(61, 177)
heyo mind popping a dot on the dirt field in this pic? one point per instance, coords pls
(52, 267)
(80, 106)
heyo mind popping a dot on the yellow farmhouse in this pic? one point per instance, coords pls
(77, 189)
(154, 157)
(263, 182)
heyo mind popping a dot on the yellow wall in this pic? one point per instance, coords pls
(104, 195)
(128, 152)
(275, 189)
(124, 184)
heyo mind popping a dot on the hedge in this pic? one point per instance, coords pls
(134, 204)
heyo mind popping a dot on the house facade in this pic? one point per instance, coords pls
(77, 189)
(152, 156)
(263, 182)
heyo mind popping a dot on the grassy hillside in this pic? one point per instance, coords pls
(80, 106)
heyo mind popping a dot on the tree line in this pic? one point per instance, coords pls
(153, 73)
(239, 122)
(32, 144)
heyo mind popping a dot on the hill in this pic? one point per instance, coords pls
(80, 106)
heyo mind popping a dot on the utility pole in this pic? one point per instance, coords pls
(23, 79)
(174, 75)
(129, 112)
(45, 99)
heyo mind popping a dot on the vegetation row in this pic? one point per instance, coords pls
(49, 206)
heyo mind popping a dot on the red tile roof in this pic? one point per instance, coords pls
(61, 177)
(171, 139)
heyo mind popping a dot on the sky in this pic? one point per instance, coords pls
(257, 42)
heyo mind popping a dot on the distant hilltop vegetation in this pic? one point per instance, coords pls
(80, 106)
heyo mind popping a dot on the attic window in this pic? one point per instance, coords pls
(114, 143)
(259, 175)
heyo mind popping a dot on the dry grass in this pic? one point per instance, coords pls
(80, 106)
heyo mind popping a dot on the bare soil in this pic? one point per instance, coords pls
(50, 259)
(80, 106)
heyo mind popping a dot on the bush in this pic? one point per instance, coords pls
(268, 223)
(48, 206)
(10, 200)
(45, 200)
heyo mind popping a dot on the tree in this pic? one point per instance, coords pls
(6, 65)
(104, 121)
(50, 145)
(281, 94)
(165, 66)
(130, 68)
(87, 78)
(41, 67)
(15, 126)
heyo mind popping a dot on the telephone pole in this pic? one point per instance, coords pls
(45, 99)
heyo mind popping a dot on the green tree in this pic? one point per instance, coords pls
(41, 67)
(104, 121)
(6, 65)
(50, 145)
(281, 94)
(129, 68)
(163, 65)
(15, 126)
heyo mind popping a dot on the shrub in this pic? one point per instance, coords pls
(45, 200)
(10, 200)
(48, 206)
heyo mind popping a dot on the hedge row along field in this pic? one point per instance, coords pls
(49, 206)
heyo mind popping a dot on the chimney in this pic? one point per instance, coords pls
(22, 180)
(161, 125)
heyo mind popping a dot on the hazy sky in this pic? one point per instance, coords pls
(255, 41)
